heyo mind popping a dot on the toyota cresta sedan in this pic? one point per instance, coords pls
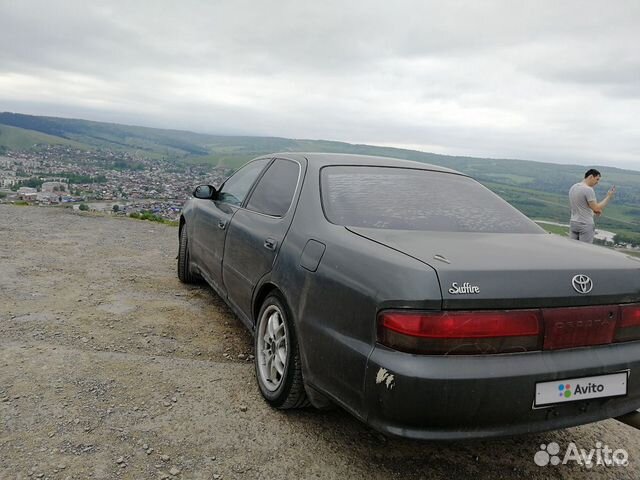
(414, 298)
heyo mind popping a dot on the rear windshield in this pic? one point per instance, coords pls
(411, 199)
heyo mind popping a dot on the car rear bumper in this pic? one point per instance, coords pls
(456, 397)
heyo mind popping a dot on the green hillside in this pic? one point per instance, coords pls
(538, 189)
(109, 135)
(541, 205)
(12, 138)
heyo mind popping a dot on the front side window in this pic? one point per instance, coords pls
(274, 193)
(413, 199)
(236, 188)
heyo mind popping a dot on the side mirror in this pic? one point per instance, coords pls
(205, 192)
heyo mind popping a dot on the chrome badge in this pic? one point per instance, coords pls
(582, 283)
(466, 287)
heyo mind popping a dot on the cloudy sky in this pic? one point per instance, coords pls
(555, 81)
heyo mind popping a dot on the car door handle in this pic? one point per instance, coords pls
(270, 244)
(222, 224)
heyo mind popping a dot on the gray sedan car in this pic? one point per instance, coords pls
(414, 298)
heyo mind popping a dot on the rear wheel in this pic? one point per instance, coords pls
(184, 272)
(277, 359)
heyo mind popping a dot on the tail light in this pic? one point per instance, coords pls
(507, 331)
(629, 323)
(456, 332)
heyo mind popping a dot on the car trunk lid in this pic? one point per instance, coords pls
(509, 271)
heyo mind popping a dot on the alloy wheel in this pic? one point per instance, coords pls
(273, 344)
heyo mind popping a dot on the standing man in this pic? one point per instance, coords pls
(583, 203)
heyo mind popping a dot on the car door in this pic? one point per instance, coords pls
(213, 217)
(256, 232)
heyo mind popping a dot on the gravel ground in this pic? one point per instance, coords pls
(110, 368)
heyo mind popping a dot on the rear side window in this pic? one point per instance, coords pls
(274, 192)
(412, 199)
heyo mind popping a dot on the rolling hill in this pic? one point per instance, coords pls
(538, 189)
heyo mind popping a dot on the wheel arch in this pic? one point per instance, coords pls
(314, 396)
(262, 293)
(292, 393)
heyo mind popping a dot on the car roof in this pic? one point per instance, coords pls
(325, 159)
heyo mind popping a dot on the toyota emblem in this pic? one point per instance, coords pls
(582, 284)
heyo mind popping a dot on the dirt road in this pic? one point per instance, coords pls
(111, 368)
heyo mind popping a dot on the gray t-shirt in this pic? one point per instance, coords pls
(579, 197)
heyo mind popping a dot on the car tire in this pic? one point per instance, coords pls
(277, 358)
(184, 272)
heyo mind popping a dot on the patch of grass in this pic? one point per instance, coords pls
(152, 217)
(557, 229)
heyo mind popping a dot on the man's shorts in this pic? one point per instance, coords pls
(582, 231)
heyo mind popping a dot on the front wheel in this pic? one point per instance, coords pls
(277, 359)
(184, 271)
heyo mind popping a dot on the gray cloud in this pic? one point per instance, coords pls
(553, 81)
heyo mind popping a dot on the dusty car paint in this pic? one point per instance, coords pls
(336, 280)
